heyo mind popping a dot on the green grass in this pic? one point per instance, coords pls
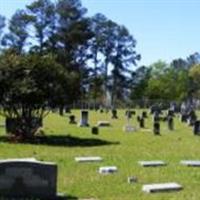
(82, 180)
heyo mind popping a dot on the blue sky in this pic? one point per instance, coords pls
(164, 29)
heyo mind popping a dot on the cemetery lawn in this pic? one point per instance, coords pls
(117, 148)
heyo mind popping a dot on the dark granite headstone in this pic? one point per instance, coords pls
(156, 117)
(156, 128)
(170, 113)
(196, 128)
(72, 119)
(28, 178)
(95, 130)
(114, 114)
(84, 118)
(184, 117)
(144, 114)
(141, 122)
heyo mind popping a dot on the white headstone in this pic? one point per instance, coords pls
(107, 170)
(154, 163)
(88, 159)
(192, 163)
(161, 187)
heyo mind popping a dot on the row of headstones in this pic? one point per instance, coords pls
(185, 117)
(132, 179)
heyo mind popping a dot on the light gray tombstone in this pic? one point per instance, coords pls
(84, 119)
(107, 170)
(28, 178)
(191, 163)
(161, 187)
(128, 128)
(88, 159)
(154, 163)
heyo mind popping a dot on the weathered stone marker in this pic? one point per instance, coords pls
(28, 178)
(156, 128)
(161, 187)
(88, 159)
(153, 163)
(107, 170)
(84, 119)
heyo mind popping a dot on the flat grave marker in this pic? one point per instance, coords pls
(88, 159)
(108, 170)
(103, 123)
(153, 163)
(191, 163)
(161, 187)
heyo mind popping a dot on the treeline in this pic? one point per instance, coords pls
(97, 54)
(82, 58)
(177, 81)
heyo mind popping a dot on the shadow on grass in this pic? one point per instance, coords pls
(64, 141)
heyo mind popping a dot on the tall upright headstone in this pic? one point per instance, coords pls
(84, 119)
(156, 128)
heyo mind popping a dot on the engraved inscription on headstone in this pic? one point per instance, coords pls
(28, 179)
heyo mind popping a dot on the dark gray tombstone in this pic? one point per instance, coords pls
(84, 119)
(156, 117)
(170, 113)
(114, 114)
(156, 128)
(144, 114)
(133, 112)
(184, 117)
(141, 122)
(138, 118)
(191, 118)
(95, 130)
(170, 123)
(128, 114)
(28, 178)
(196, 128)
(72, 119)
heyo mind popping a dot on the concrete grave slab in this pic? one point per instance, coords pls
(153, 163)
(107, 170)
(161, 187)
(191, 163)
(88, 159)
